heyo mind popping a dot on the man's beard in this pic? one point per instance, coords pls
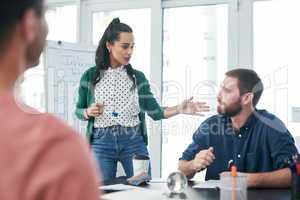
(36, 47)
(33, 53)
(230, 110)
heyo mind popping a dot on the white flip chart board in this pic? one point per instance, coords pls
(65, 63)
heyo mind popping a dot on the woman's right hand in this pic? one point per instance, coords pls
(95, 110)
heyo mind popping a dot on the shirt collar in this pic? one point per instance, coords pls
(118, 69)
(249, 122)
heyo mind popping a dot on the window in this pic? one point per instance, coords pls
(276, 59)
(62, 22)
(194, 58)
(141, 31)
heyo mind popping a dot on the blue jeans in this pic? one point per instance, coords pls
(117, 143)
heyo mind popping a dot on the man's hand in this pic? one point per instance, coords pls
(203, 159)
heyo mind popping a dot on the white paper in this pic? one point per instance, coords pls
(158, 180)
(140, 193)
(117, 187)
(208, 184)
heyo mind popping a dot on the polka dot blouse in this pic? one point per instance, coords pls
(121, 106)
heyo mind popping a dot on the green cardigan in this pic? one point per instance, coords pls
(147, 102)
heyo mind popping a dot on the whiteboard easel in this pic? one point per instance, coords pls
(64, 65)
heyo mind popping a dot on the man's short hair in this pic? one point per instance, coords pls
(248, 81)
(12, 11)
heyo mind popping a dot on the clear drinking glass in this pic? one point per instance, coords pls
(233, 188)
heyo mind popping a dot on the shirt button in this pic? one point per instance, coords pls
(240, 135)
(239, 155)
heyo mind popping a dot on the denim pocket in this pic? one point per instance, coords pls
(98, 133)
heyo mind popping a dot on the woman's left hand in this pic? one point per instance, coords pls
(192, 108)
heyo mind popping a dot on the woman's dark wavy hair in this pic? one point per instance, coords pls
(111, 34)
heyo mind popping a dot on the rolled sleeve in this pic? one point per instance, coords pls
(282, 146)
(200, 142)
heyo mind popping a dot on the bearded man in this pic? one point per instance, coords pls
(255, 141)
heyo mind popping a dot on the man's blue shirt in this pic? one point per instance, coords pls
(263, 144)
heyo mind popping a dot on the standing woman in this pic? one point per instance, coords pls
(114, 98)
